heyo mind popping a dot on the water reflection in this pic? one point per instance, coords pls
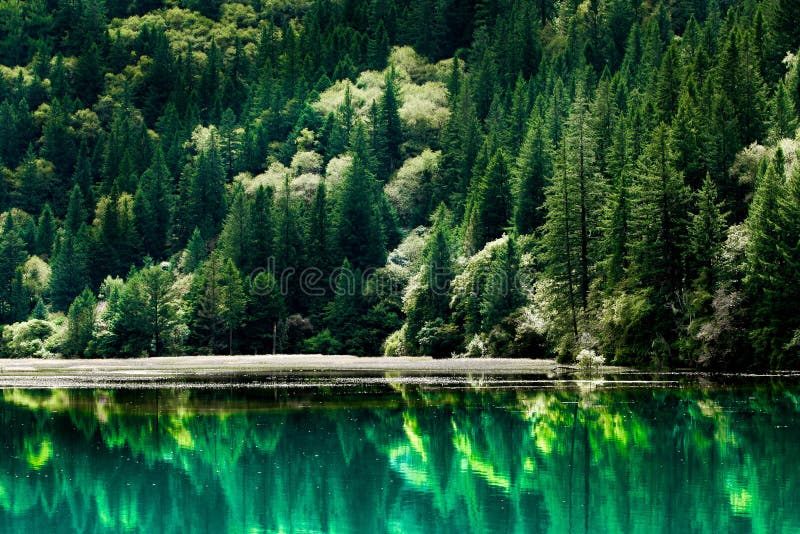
(407, 458)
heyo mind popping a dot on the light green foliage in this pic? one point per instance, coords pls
(35, 338)
(80, 324)
(218, 303)
(149, 321)
(410, 189)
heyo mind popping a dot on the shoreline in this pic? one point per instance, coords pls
(180, 371)
(308, 370)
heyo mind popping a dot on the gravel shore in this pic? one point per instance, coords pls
(228, 370)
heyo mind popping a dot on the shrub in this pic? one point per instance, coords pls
(28, 339)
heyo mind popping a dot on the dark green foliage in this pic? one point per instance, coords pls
(429, 303)
(45, 232)
(207, 190)
(532, 172)
(81, 317)
(359, 232)
(148, 322)
(387, 130)
(217, 301)
(488, 208)
(152, 206)
(614, 143)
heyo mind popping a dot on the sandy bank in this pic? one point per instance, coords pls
(248, 369)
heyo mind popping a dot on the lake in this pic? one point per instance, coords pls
(404, 454)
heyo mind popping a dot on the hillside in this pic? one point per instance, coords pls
(499, 178)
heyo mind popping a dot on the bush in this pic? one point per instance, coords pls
(439, 339)
(589, 360)
(323, 343)
(394, 345)
(28, 339)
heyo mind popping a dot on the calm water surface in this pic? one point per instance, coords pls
(402, 458)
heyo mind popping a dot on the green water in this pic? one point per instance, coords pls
(402, 458)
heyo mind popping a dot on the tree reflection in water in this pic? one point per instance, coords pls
(401, 459)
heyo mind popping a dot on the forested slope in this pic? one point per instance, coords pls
(493, 178)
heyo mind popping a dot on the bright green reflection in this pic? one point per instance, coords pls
(401, 460)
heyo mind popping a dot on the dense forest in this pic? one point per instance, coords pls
(598, 179)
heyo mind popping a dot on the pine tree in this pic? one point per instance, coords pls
(617, 216)
(706, 235)
(12, 255)
(206, 195)
(83, 176)
(388, 129)
(150, 323)
(45, 232)
(319, 230)
(261, 231)
(233, 240)
(70, 270)
(359, 235)
(488, 206)
(196, 252)
(265, 308)
(532, 171)
(152, 206)
(218, 301)
(430, 299)
(772, 262)
(659, 219)
(40, 311)
(80, 323)
(783, 116)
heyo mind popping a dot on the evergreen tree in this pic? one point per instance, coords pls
(430, 299)
(772, 260)
(706, 235)
(234, 238)
(12, 256)
(488, 206)
(70, 264)
(261, 231)
(265, 309)
(206, 202)
(152, 206)
(196, 252)
(388, 130)
(45, 232)
(358, 226)
(218, 302)
(659, 219)
(150, 322)
(532, 171)
(80, 323)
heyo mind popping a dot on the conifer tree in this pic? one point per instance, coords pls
(706, 235)
(659, 219)
(152, 206)
(359, 235)
(388, 130)
(150, 322)
(772, 259)
(80, 323)
(196, 252)
(489, 205)
(45, 232)
(261, 231)
(532, 171)
(12, 255)
(206, 195)
(430, 299)
(233, 240)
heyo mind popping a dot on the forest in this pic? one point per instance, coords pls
(603, 180)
